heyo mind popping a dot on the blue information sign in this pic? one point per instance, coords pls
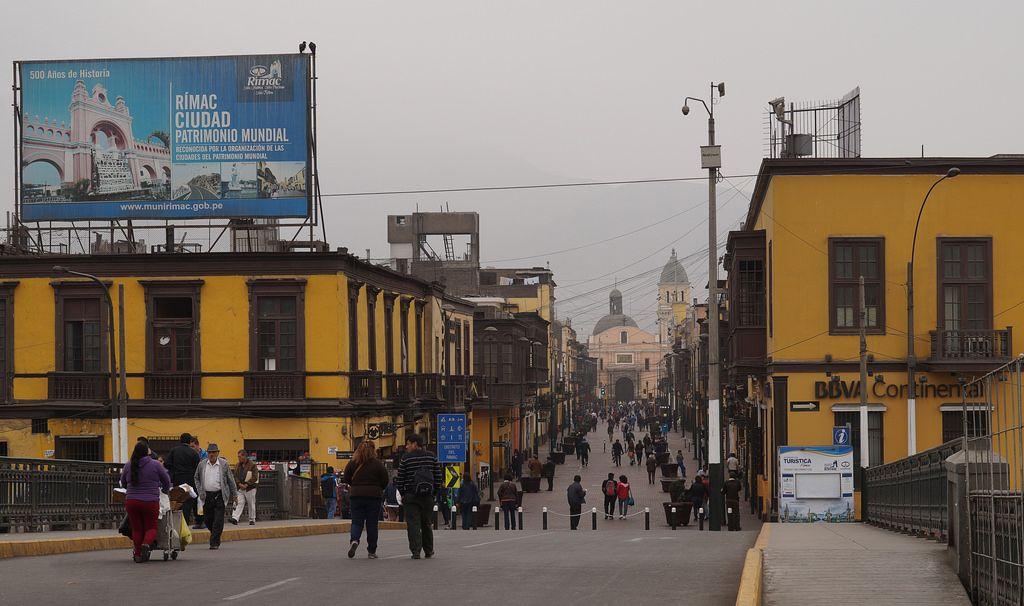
(841, 436)
(451, 438)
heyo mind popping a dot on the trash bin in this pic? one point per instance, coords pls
(568, 448)
(683, 510)
(530, 484)
(558, 458)
(666, 483)
(670, 470)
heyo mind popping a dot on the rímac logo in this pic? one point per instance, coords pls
(261, 75)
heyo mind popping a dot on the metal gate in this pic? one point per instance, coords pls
(995, 479)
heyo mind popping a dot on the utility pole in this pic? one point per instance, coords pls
(865, 461)
(122, 392)
(711, 159)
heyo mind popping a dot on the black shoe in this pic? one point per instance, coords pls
(233, 521)
(137, 559)
(428, 554)
(352, 549)
(145, 551)
(214, 546)
(415, 556)
(252, 522)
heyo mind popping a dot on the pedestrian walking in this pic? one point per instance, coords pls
(681, 462)
(625, 497)
(181, 464)
(329, 491)
(367, 478)
(419, 477)
(583, 449)
(144, 478)
(631, 449)
(577, 496)
(216, 487)
(393, 502)
(617, 453)
(247, 478)
(610, 490)
(652, 467)
(731, 490)
(549, 472)
(467, 498)
(508, 499)
(697, 494)
(517, 463)
(535, 466)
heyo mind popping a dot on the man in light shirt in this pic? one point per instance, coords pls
(216, 487)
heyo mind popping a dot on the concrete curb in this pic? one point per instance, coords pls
(43, 547)
(752, 579)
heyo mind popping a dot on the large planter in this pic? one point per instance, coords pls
(666, 483)
(558, 458)
(568, 447)
(670, 470)
(530, 484)
(664, 457)
(483, 515)
(683, 511)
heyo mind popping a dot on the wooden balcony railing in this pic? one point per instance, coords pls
(971, 345)
(275, 385)
(399, 387)
(364, 385)
(428, 386)
(78, 386)
(172, 386)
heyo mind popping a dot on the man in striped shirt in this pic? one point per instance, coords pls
(419, 479)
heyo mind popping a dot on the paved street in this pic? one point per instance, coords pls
(530, 567)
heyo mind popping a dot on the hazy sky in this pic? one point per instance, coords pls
(416, 95)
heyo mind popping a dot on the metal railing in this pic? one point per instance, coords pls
(980, 345)
(78, 386)
(910, 495)
(994, 483)
(44, 494)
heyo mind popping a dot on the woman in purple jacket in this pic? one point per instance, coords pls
(144, 477)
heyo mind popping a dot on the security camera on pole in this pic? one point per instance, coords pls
(711, 159)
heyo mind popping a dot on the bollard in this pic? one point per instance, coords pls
(593, 518)
(673, 518)
(520, 513)
(474, 517)
(545, 511)
(700, 517)
(647, 518)
(435, 517)
(454, 523)
(496, 520)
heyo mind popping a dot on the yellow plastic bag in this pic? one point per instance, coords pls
(185, 533)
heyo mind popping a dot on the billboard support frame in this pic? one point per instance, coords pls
(19, 232)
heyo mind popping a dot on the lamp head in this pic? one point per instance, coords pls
(312, 47)
(952, 172)
(59, 269)
(686, 109)
(721, 89)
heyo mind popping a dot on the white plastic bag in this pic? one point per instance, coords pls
(165, 505)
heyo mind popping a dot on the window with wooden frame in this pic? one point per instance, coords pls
(403, 327)
(353, 324)
(457, 330)
(371, 324)
(849, 259)
(419, 336)
(172, 338)
(6, 340)
(277, 339)
(506, 358)
(750, 305)
(389, 333)
(83, 328)
(965, 283)
(466, 345)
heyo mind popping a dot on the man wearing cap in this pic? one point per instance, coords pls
(216, 487)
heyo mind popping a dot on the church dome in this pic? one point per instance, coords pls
(673, 272)
(615, 317)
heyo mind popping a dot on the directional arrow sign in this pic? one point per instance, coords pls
(452, 476)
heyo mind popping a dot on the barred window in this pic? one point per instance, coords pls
(849, 260)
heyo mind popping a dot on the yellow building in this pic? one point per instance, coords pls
(281, 354)
(814, 227)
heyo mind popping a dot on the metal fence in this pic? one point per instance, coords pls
(45, 494)
(910, 495)
(994, 481)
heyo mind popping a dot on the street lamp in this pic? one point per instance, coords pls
(711, 159)
(522, 394)
(118, 403)
(490, 344)
(536, 412)
(911, 357)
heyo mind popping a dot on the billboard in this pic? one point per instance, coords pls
(816, 484)
(179, 138)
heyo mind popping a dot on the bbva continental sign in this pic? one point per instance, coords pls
(836, 390)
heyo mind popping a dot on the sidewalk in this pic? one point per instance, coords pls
(856, 564)
(51, 543)
(644, 494)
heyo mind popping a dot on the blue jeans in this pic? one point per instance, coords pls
(332, 507)
(509, 511)
(623, 506)
(365, 512)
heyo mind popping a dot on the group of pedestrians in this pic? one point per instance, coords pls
(616, 492)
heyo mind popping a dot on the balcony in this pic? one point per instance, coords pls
(427, 386)
(970, 349)
(275, 385)
(400, 387)
(364, 385)
(78, 386)
(172, 386)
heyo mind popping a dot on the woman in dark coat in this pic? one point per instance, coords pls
(367, 478)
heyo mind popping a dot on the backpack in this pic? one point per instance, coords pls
(610, 488)
(423, 481)
(623, 491)
(327, 487)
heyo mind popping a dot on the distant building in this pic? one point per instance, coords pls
(628, 358)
